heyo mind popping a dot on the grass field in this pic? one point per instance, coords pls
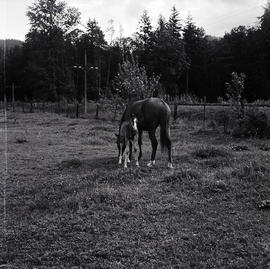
(69, 204)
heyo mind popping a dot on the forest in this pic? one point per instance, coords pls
(174, 54)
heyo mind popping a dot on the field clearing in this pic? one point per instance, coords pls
(69, 205)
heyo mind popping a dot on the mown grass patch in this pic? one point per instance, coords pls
(86, 211)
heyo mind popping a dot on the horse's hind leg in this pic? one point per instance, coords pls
(140, 144)
(130, 152)
(168, 143)
(154, 143)
(169, 146)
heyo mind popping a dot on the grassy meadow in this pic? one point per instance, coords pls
(70, 205)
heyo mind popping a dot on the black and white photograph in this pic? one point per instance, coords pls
(134, 134)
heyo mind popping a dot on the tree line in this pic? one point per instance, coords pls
(177, 53)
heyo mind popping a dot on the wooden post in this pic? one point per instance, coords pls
(5, 103)
(77, 109)
(85, 81)
(13, 98)
(204, 116)
(31, 106)
(97, 111)
(175, 110)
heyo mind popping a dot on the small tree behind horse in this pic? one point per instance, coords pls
(151, 113)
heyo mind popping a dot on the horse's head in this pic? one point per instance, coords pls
(134, 123)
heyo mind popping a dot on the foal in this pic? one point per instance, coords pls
(128, 136)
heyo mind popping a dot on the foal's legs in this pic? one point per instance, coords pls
(125, 154)
(154, 143)
(120, 155)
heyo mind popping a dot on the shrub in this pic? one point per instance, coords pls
(189, 98)
(223, 118)
(254, 124)
(235, 90)
(133, 82)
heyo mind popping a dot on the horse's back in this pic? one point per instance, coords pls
(150, 112)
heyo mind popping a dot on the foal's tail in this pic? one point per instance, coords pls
(165, 138)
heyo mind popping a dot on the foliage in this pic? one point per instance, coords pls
(145, 31)
(254, 124)
(235, 90)
(223, 118)
(174, 25)
(132, 82)
(185, 98)
(185, 59)
(49, 16)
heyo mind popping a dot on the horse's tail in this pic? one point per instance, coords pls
(165, 129)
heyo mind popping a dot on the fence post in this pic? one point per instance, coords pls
(175, 110)
(31, 107)
(13, 97)
(97, 111)
(77, 108)
(204, 116)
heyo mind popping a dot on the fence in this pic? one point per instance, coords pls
(73, 110)
(111, 111)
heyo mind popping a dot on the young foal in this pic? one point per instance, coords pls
(128, 133)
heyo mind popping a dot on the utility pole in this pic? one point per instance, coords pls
(187, 77)
(85, 81)
(85, 68)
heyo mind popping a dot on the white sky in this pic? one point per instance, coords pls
(215, 16)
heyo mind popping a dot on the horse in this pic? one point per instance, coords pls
(128, 133)
(151, 113)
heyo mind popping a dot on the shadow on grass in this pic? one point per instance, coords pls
(95, 163)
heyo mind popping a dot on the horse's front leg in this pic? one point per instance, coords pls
(120, 155)
(136, 152)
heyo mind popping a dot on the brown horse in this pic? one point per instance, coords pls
(151, 113)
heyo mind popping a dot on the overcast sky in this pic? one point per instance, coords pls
(215, 16)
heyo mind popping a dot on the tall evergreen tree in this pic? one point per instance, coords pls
(194, 41)
(145, 31)
(174, 24)
(143, 41)
(168, 57)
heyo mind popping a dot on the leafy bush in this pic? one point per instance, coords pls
(189, 98)
(223, 118)
(235, 90)
(254, 124)
(132, 82)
